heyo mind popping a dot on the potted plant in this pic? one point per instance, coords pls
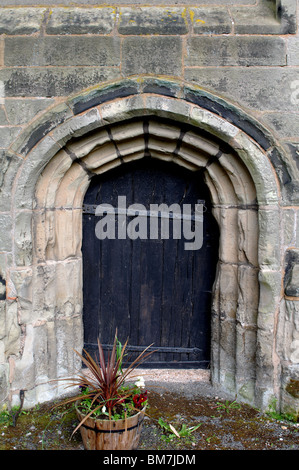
(110, 410)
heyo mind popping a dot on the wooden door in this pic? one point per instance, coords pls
(151, 290)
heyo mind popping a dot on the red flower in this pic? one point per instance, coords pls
(139, 399)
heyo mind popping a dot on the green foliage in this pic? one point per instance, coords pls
(170, 432)
(274, 414)
(227, 406)
(121, 410)
(6, 416)
(119, 354)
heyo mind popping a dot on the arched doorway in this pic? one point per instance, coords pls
(51, 180)
(146, 277)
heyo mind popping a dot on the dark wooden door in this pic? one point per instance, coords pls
(151, 290)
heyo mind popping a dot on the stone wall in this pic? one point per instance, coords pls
(230, 68)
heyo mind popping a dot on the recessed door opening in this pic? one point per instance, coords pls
(153, 290)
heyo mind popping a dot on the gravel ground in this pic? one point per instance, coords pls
(182, 399)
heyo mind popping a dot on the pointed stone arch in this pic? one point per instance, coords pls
(110, 125)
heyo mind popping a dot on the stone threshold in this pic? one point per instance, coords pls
(169, 375)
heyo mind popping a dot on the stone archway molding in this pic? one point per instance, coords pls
(108, 125)
(145, 96)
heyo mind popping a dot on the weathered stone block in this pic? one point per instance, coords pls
(246, 390)
(289, 227)
(2, 326)
(264, 359)
(262, 20)
(70, 196)
(105, 154)
(66, 357)
(42, 351)
(226, 194)
(46, 191)
(290, 391)
(269, 240)
(232, 50)
(66, 244)
(284, 171)
(22, 111)
(129, 2)
(167, 107)
(23, 376)
(243, 187)
(290, 188)
(3, 266)
(284, 124)
(286, 11)
(36, 161)
(211, 122)
(291, 284)
(21, 20)
(228, 291)
(2, 288)
(62, 50)
(227, 348)
(9, 165)
(248, 295)
(270, 293)
(5, 232)
(259, 167)
(199, 143)
(273, 88)
(77, 126)
(124, 132)
(68, 289)
(188, 155)
(52, 349)
(227, 380)
(245, 361)
(102, 94)
(3, 117)
(81, 20)
(43, 285)
(152, 20)
(53, 81)
(4, 384)
(13, 330)
(40, 128)
(165, 86)
(293, 51)
(290, 333)
(22, 285)
(1, 61)
(40, 236)
(210, 20)
(226, 360)
(8, 135)
(211, 102)
(82, 147)
(248, 236)
(126, 108)
(159, 55)
(227, 219)
(23, 239)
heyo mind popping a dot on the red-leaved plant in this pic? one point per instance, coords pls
(104, 393)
